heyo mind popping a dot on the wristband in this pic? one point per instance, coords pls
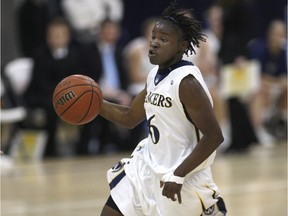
(170, 177)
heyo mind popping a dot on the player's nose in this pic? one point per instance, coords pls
(154, 44)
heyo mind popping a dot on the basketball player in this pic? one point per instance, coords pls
(169, 172)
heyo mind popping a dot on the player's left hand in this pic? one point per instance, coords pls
(171, 189)
(172, 186)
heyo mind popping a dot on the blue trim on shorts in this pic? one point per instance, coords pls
(116, 180)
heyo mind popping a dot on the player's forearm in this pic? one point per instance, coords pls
(201, 152)
(115, 113)
(126, 116)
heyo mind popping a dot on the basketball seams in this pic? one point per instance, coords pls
(77, 85)
(80, 76)
(89, 107)
(68, 87)
(78, 98)
(83, 105)
(99, 99)
(99, 91)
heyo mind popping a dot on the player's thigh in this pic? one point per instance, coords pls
(108, 211)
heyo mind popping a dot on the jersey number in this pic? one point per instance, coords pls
(153, 131)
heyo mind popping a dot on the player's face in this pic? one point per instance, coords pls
(166, 46)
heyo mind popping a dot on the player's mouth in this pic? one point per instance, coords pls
(152, 53)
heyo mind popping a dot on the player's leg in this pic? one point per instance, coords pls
(108, 211)
(110, 208)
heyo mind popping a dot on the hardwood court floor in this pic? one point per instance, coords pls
(252, 184)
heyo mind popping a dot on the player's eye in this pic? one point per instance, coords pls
(164, 39)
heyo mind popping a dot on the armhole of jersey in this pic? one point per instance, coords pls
(179, 102)
(187, 115)
(197, 132)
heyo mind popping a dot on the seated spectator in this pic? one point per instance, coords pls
(113, 80)
(233, 52)
(208, 61)
(139, 66)
(85, 16)
(206, 58)
(136, 56)
(12, 112)
(54, 61)
(269, 105)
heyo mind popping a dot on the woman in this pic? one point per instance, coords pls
(173, 162)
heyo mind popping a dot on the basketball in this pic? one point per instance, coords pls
(77, 99)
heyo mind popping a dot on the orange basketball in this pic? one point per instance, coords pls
(77, 99)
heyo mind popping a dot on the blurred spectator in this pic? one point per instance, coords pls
(15, 78)
(139, 66)
(55, 60)
(113, 81)
(85, 16)
(263, 14)
(206, 58)
(236, 34)
(136, 57)
(208, 61)
(269, 106)
(12, 112)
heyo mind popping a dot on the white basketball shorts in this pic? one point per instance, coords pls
(136, 191)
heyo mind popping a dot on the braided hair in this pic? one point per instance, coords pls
(191, 28)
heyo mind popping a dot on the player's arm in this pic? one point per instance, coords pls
(200, 110)
(124, 115)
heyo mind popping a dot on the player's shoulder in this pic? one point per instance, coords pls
(184, 70)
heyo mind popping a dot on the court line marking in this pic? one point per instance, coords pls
(53, 207)
(21, 207)
(254, 187)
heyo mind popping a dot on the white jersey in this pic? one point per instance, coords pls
(134, 181)
(172, 136)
